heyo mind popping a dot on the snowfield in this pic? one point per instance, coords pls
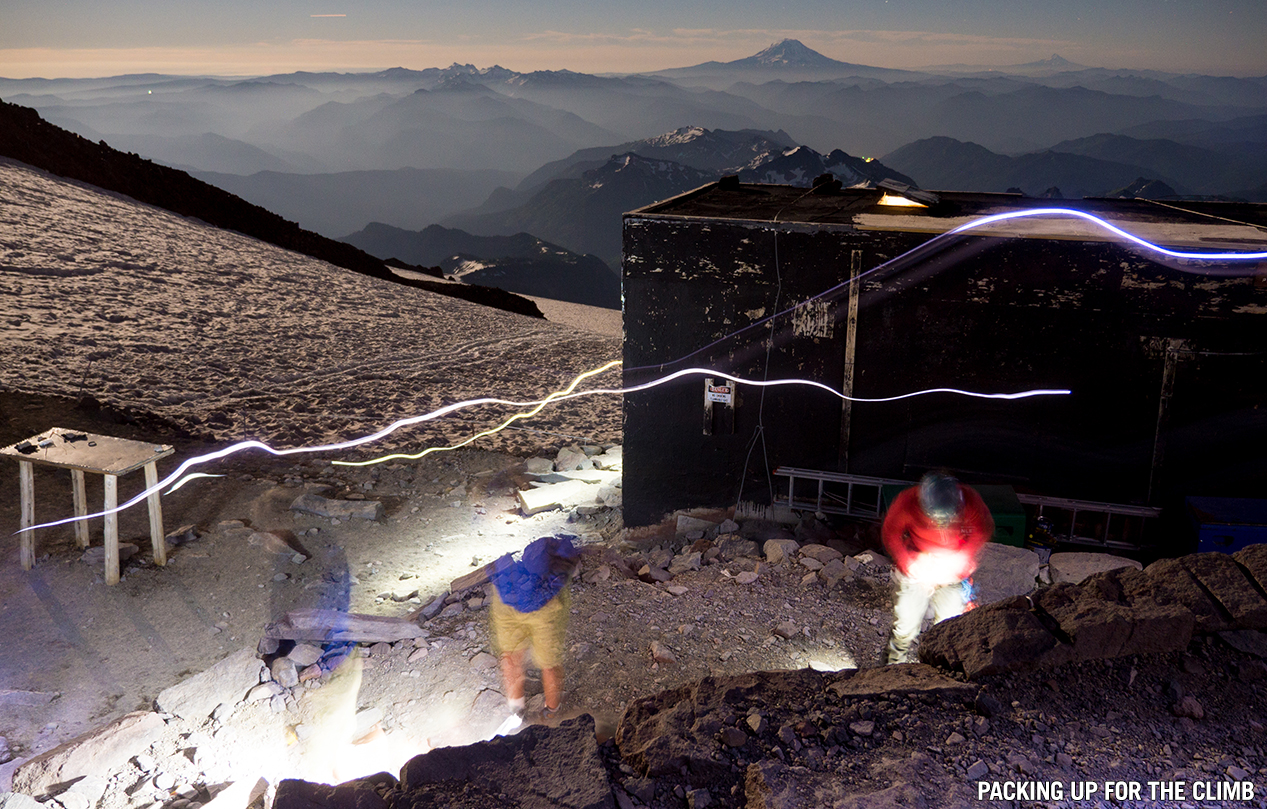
(229, 337)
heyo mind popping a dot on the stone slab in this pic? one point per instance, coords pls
(568, 494)
(103, 750)
(315, 504)
(1075, 566)
(227, 681)
(907, 678)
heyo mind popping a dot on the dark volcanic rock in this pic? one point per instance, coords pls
(1004, 636)
(545, 768)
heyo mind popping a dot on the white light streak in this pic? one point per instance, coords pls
(1114, 229)
(176, 476)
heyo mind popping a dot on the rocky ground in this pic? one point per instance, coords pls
(673, 649)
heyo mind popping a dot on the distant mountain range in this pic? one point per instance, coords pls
(410, 148)
(520, 263)
(1087, 167)
(577, 202)
(335, 205)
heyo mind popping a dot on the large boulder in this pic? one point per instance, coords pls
(1004, 571)
(1220, 576)
(1004, 636)
(1168, 582)
(539, 768)
(1253, 560)
(1097, 627)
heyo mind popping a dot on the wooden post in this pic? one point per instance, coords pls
(851, 340)
(26, 485)
(112, 529)
(1173, 347)
(81, 507)
(157, 539)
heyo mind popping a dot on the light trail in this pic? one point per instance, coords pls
(965, 229)
(570, 393)
(1109, 226)
(176, 478)
(553, 397)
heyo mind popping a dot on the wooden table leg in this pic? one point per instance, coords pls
(81, 507)
(157, 540)
(112, 529)
(26, 486)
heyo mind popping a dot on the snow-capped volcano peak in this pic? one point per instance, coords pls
(791, 53)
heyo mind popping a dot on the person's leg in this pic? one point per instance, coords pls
(549, 625)
(512, 679)
(552, 685)
(510, 640)
(947, 602)
(908, 616)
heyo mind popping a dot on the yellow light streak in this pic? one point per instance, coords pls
(524, 415)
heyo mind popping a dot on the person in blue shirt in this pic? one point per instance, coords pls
(529, 613)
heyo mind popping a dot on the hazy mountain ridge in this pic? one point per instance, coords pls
(1060, 122)
(519, 263)
(337, 204)
(946, 164)
(578, 202)
(584, 213)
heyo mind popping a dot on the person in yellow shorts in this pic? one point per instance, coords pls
(529, 614)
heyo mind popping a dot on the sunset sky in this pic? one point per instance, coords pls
(75, 38)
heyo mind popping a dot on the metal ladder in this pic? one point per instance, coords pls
(837, 493)
(1109, 510)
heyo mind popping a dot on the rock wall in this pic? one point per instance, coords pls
(1109, 614)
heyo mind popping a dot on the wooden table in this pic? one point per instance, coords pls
(104, 455)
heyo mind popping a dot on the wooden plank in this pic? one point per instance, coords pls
(112, 529)
(26, 485)
(157, 540)
(472, 579)
(81, 507)
(331, 625)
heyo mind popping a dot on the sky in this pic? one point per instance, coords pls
(83, 38)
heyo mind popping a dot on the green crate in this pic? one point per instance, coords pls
(1008, 513)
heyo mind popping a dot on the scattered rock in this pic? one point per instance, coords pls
(538, 466)
(662, 654)
(96, 555)
(776, 550)
(1189, 707)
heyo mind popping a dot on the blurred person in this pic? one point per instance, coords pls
(934, 533)
(529, 614)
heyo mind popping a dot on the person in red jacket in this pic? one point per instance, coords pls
(933, 532)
